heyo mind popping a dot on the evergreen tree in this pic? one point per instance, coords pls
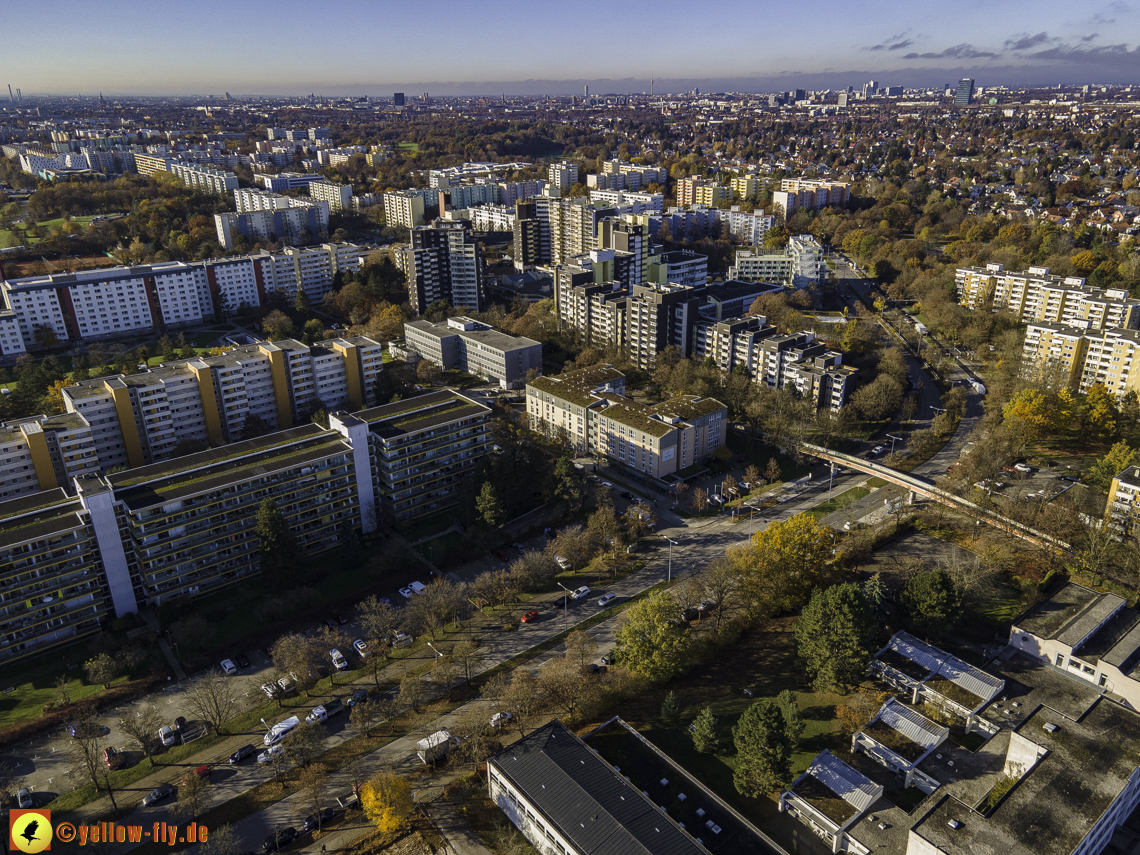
(835, 636)
(930, 604)
(763, 756)
(671, 708)
(793, 721)
(278, 546)
(349, 545)
(706, 739)
(302, 304)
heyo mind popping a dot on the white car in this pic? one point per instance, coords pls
(361, 648)
(406, 593)
(606, 599)
(166, 735)
(607, 484)
(418, 587)
(271, 690)
(286, 684)
(500, 718)
(338, 660)
(579, 593)
(229, 667)
(269, 753)
(1022, 467)
(561, 562)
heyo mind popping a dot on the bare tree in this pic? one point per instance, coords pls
(380, 621)
(213, 699)
(223, 840)
(467, 656)
(363, 716)
(479, 739)
(412, 692)
(143, 727)
(564, 686)
(299, 657)
(724, 586)
(522, 699)
(581, 648)
(191, 796)
(10, 782)
(86, 754)
(330, 639)
(305, 743)
(313, 784)
(700, 500)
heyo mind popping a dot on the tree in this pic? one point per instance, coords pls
(859, 710)
(412, 691)
(568, 485)
(387, 800)
(278, 545)
(305, 743)
(729, 486)
(706, 737)
(648, 640)
(488, 506)
(363, 716)
(763, 756)
(772, 471)
(1119, 458)
(277, 325)
(223, 840)
(1101, 411)
(143, 729)
(213, 699)
(313, 783)
(793, 721)
(752, 476)
(191, 796)
(575, 544)
(85, 751)
(299, 657)
(101, 669)
(605, 527)
(783, 563)
(700, 500)
(1031, 414)
(302, 304)
(671, 708)
(428, 372)
(879, 398)
(930, 604)
(380, 620)
(467, 657)
(522, 699)
(313, 330)
(834, 636)
(45, 335)
(564, 686)
(254, 426)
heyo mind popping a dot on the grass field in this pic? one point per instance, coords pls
(34, 684)
(17, 235)
(838, 503)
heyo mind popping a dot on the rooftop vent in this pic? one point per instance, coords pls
(954, 824)
(1050, 727)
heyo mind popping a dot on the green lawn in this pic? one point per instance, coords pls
(33, 683)
(838, 503)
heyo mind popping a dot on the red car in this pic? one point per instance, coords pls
(529, 616)
(502, 556)
(112, 758)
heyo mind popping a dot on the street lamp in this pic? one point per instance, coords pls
(831, 480)
(671, 542)
(893, 438)
(565, 602)
(433, 647)
(751, 516)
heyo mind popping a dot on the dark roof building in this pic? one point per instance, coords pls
(566, 799)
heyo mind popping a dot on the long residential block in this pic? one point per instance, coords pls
(464, 344)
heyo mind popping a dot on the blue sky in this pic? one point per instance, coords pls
(458, 46)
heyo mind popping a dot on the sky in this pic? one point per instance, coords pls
(448, 47)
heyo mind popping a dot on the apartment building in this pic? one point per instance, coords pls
(486, 218)
(800, 264)
(1122, 513)
(562, 175)
(1079, 357)
(444, 263)
(526, 236)
(288, 181)
(209, 179)
(679, 267)
(292, 220)
(636, 175)
(588, 409)
(699, 191)
(573, 226)
(627, 235)
(629, 201)
(138, 419)
(1037, 295)
(421, 449)
(460, 196)
(338, 196)
(464, 344)
(802, 194)
(748, 228)
(119, 301)
(745, 186)
(404, 208)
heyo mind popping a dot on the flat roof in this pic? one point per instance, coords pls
(420, 413)
(1049, 618)
(586, 799)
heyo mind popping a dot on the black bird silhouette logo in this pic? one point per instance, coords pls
(29, 832)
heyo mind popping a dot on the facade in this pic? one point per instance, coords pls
(464, 344)
(444, 263)
(139, 419)
(698, 191)
(588, 409)
(207, 178)
(679, 267)
(562, 175)
(269, 217)
(338, 196)
(1080, 358)
(420, 450)
(288, 181)
(404, 208)
(566, 799)
(629, 201)
(749, 228)
(1123, 510)
(800, 264)
(964, 93)
(801, 193)
(1035, 295)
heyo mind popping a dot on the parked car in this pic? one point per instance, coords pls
(242, 660)
(271, 690)
(330, 622)
(241, 754)
(561, 562)
(400, 639)
(502, 556)
(1023, 468)
(532, 615)
(342, 619)
(418, 587)
(269, 753)
(23, 798)
(361, 648)
(229, 667)
(579, 593)
(315, 821)
(357, 697)
(706, 606)
(607, 485)
(286, 684)
(606, 599)
(162, 791)
(278, 839)
(625, 494)
(166, 734)
(500, 718)
(112, 758)
(202, 771)
(406, 593)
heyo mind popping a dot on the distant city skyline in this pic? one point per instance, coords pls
(461, 48)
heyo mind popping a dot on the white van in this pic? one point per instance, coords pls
(417, 587)
(338, 660)
(280, 730)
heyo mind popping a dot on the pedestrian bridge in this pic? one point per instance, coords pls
(919, 486)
